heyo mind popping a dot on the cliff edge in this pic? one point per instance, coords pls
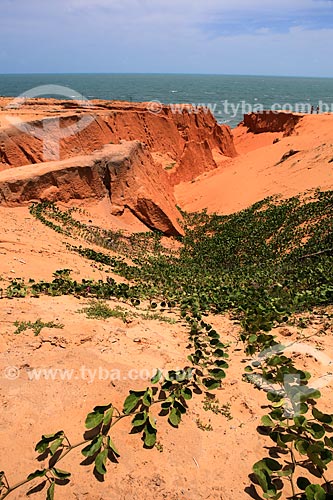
(60, 150)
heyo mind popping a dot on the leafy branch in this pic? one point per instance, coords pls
(170, 392)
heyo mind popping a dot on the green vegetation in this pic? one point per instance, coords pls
(168, 392)
(263, 265)
(159, 317)
(170, 166)
(36, 327)
(202, 426)
(301, 433)
(159, 446)
(98, 309)
(263, 262)
(211, 403)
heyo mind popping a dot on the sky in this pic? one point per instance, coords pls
(250, 37)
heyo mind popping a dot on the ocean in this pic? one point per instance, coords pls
(227, 96)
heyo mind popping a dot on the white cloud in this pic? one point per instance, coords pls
(165, 36)
(189, 8)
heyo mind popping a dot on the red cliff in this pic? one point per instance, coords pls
(93, 155)
(187, 138)
(125, 174)
(272, 121)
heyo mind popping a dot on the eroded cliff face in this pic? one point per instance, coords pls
(125, 173)
(187, 137)
(91, 160)
(272, 121)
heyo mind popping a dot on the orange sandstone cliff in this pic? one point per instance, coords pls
(280, 154)
(172, 148)
(188, 138)
(272, 121)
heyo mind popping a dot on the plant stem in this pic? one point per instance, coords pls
(328, 484)
(295, 465)
(71, 448)
(17, 485)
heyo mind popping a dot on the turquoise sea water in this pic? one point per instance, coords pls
(228, 97)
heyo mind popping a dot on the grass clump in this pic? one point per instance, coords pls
(99, 309)
(211, 403)
(36, 327)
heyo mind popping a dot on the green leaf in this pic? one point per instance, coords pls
(277, 414)
(175, 417)
(102, 409)
(322, 417)
(304, 375)
(328, 442)
(288, 438)
(93, 447)
(152, 421)
(217, 373)
(132, 400)
(149, 436)
(50, 491)
(100, 462)
(139, 419)
(156, 378)
(213, 334)
(285, 472)
(315, 492)
(167, 403)
(221, 363)
(263, 473)
(61, 474)
(263, 479)
(108, 417)
(315, 452)
(326, 456)
(217, 344)
(267, 421)
(302, 408)
(186, 393)
(52, 437)
(274, 360)
(37, 473)
(272, 396)
(276, 437)
(300, 421)
(211, 383)
(112, 446)
(316, 430)
(93, 419)
(43, 444)
(313, 394)
(302, 483)
(268, 464)
(55, 445)
(179, 406)
(272, 494)
(218, 353)
(148, 397)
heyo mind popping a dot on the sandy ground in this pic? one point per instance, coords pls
(254, 174)
(194, 464)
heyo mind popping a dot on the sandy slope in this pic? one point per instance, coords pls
(194, 464)
(254, 174)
